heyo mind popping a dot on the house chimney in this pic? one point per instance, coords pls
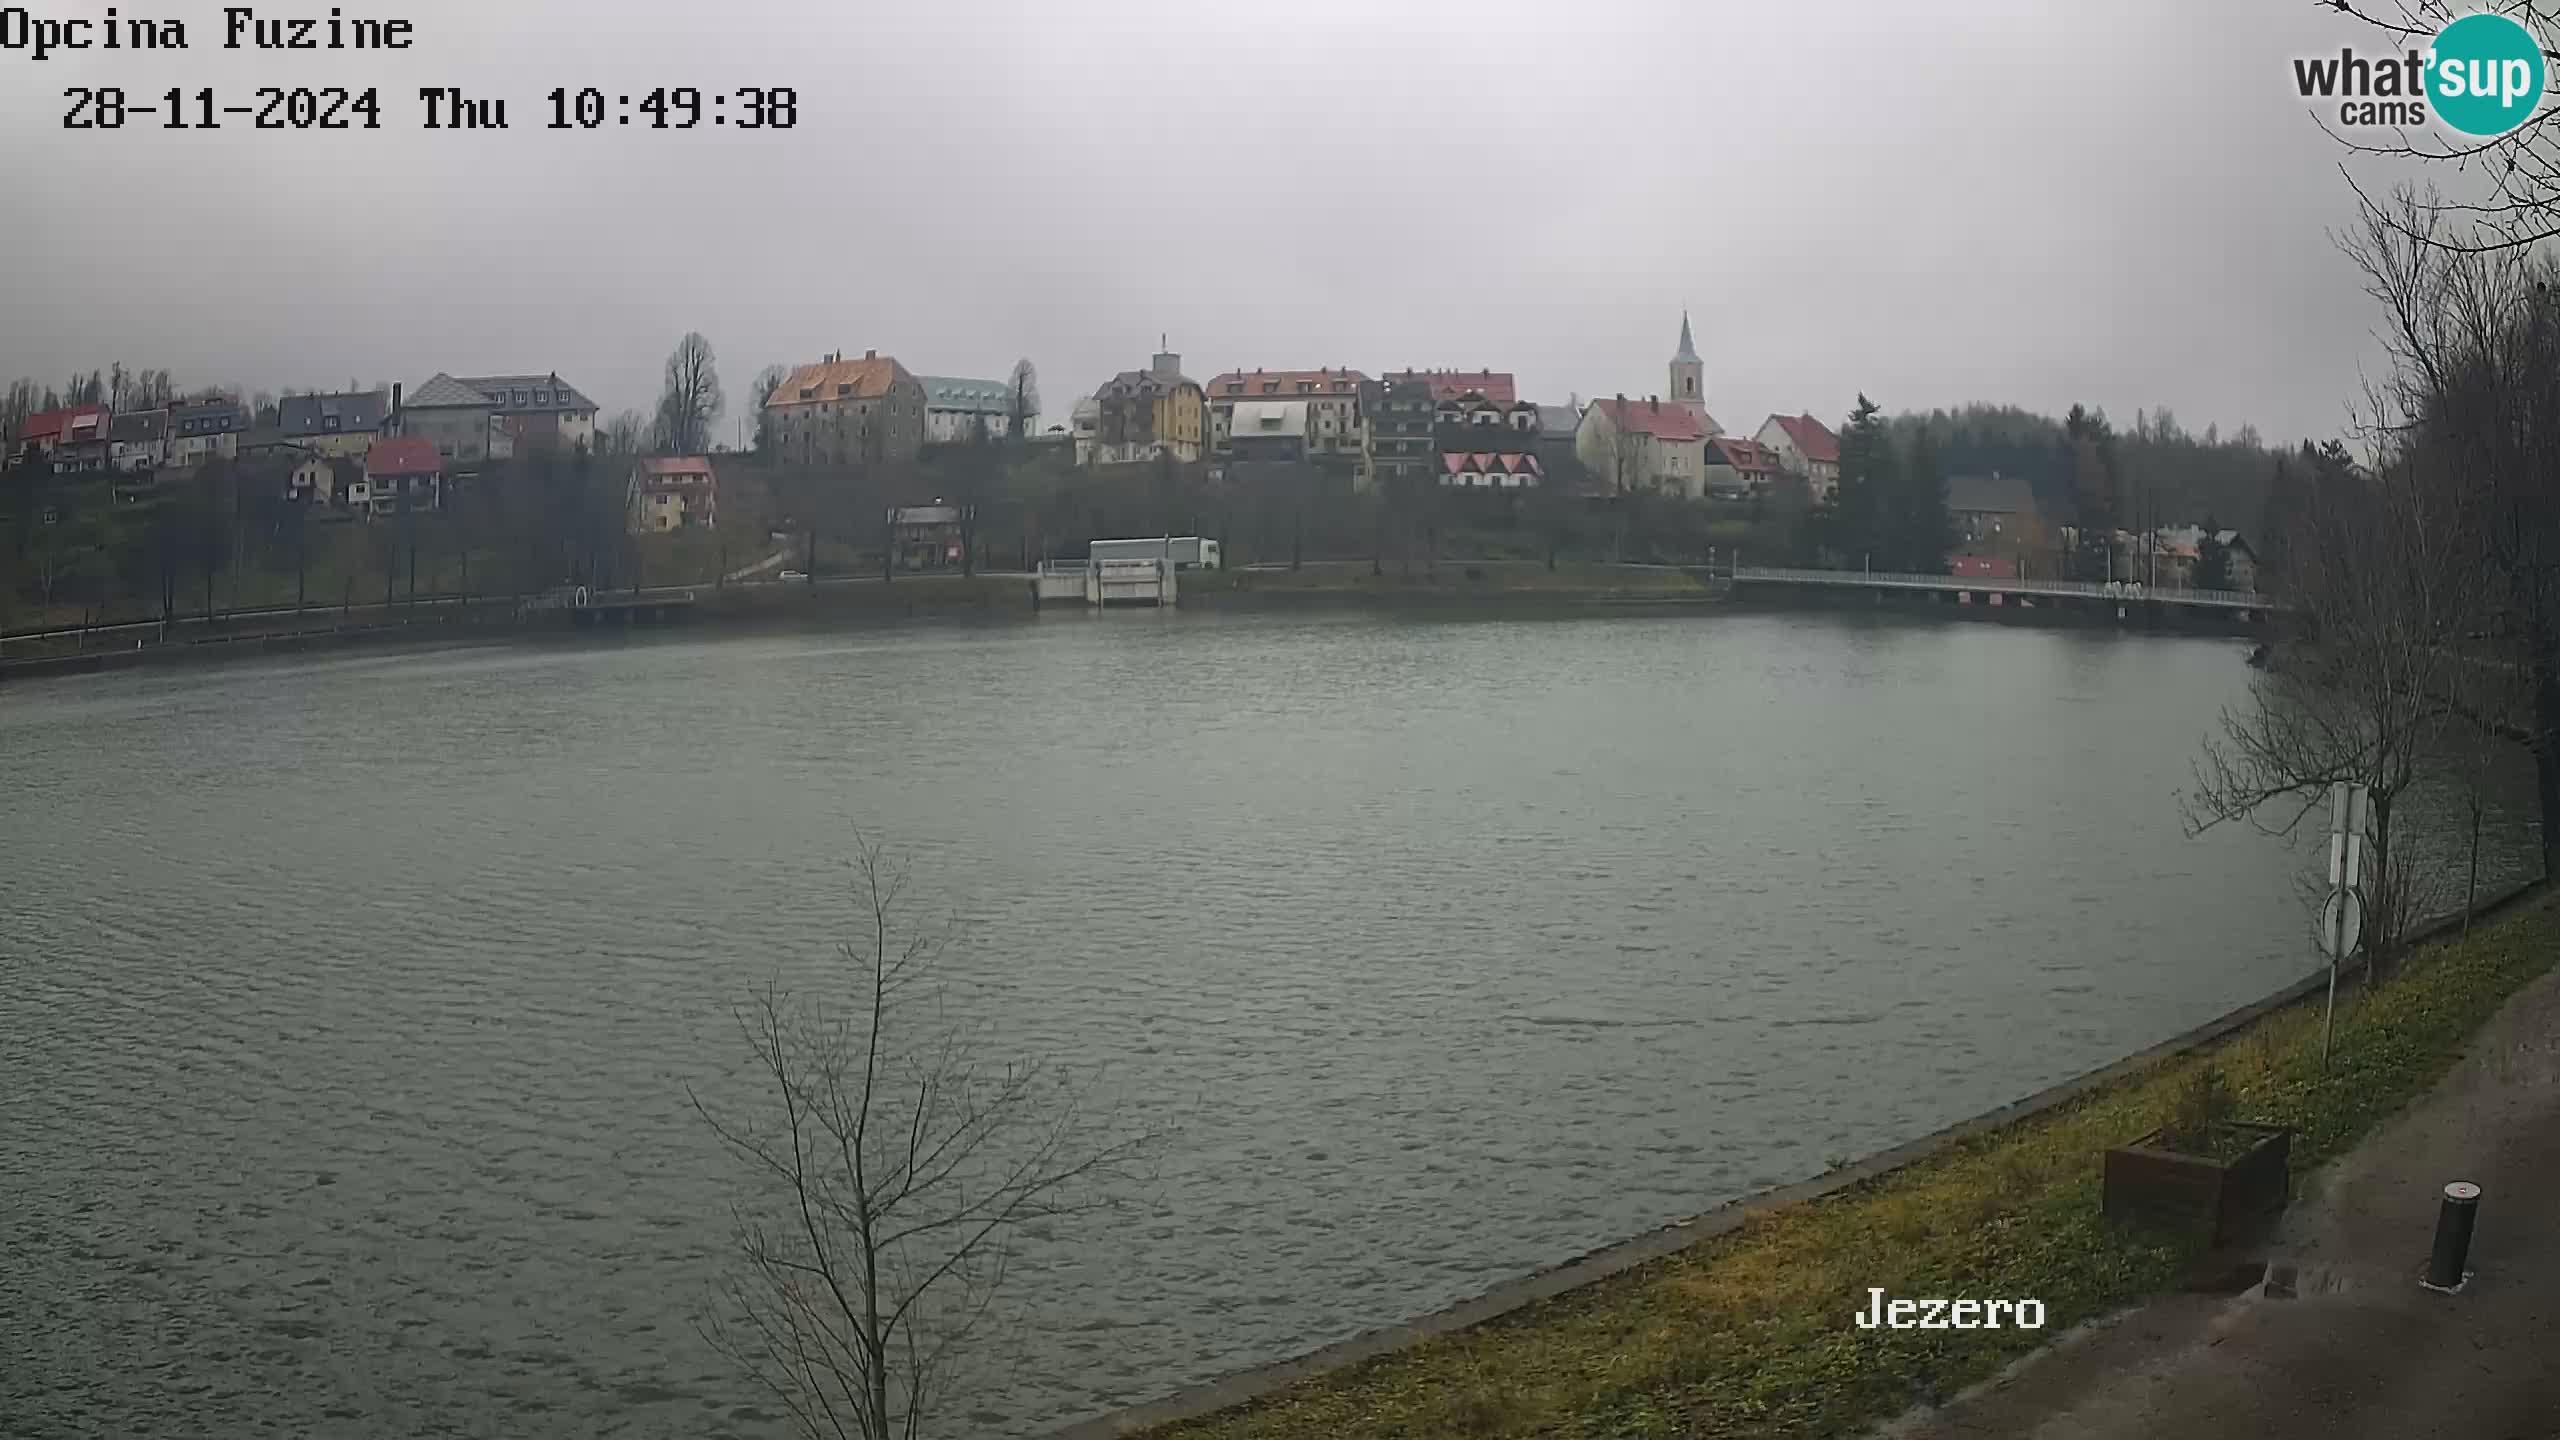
(395, 402)
(870, 354)
(1655, 401)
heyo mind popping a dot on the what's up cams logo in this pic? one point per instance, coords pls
(2483, 75)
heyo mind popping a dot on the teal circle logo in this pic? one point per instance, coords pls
(2484, 75)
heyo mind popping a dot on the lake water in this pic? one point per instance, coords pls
(348, 1006)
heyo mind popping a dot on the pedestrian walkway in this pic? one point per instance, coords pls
(2356, 1350)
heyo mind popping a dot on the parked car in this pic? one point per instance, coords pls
(790, 575)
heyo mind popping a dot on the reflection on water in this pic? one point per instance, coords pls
(346, 1007)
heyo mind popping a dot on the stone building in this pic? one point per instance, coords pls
(841, 411)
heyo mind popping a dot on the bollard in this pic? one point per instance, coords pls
(2461, 1209)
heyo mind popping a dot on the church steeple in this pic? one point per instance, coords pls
(1689, 374)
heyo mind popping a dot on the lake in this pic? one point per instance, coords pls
(348, 1006)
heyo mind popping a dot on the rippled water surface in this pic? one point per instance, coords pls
(348, 1007)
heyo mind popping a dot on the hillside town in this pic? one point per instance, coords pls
(1442, 461)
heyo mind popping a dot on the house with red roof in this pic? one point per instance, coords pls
(73, 437)
(1805, 446)
(1738, 469)
(673, 492)
(1331, 397)
(1497, 386)
(404, 473)
(1650, 444)
(1490, 470)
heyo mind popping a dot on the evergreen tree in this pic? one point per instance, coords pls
(2213, 559)
(2094, 484)
(1860, 519)
(1922, 530)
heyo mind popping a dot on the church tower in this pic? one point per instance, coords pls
(1689, 374)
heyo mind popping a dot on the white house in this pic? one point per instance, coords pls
(955, 408)
(1806, 447)
(1644, 445)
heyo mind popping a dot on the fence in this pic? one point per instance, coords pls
(2108, 590)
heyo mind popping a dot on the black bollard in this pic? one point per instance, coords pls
(2454, 1220)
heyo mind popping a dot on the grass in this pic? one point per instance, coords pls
(1749, 1334)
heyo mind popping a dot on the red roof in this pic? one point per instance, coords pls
(56, 424)
(1654, 418)
(675, 465)
(407, 455)
(1811, 436)
(1489, 462)
(1283, 384)
(1746, 455)
(1496, 385)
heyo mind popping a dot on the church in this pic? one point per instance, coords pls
(1689, 381)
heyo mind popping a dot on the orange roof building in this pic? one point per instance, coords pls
(841, 411)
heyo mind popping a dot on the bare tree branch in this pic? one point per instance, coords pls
(890, 1169)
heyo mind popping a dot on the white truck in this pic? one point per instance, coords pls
(1187, 552)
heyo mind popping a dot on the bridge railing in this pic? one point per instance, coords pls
(1893, 580)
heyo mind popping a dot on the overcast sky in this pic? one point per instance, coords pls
(1932, 201)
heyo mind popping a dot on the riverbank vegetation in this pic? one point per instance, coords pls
(1750, 1333)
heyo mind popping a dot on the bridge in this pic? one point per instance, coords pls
(2241, 605)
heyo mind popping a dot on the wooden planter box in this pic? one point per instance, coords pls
(2217, 1200)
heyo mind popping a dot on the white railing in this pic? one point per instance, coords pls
(1066, 567)
(1881, 580)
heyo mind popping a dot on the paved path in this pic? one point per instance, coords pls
(2359, 1351)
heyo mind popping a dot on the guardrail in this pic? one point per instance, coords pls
(227, 617)
(2110, 590)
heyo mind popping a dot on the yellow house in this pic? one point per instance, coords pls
(1142, 415)
(673, 493)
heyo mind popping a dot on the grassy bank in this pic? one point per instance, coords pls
(1749, 1334)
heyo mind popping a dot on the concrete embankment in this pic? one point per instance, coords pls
(436, 631)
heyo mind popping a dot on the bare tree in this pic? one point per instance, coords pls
(690, 404)
(2474, 337)
(768, 380)
(2514, 198)
(2387, 592)
(627, 433)
(1023, 403)
(890, 1168)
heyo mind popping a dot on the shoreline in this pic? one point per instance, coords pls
(1233, 1395)
(1494, 589)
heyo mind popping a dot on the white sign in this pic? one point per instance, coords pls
(2341, 924)
(2346, 835)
